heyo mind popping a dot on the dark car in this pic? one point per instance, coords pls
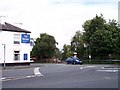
(74, 60)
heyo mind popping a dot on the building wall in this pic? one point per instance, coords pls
(8, 39)
(1, 53)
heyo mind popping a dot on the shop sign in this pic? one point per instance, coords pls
(25, 38)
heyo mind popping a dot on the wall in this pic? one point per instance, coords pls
(7, 38)
(1, 52)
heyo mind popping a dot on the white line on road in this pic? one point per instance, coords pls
(3, 78)
(81, 67)
(37, 72)
(86, 67)
(31, 76)
(90, 66)
(18, 77)
(108, 70)
(107, 77)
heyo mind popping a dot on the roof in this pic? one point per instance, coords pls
(12, 28)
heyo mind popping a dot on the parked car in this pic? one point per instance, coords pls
(74, 60)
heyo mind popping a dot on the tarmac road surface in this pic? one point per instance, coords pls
(61, 76)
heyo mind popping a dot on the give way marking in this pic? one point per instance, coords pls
(36, 73)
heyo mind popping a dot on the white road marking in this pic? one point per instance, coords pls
(37, 72)
(108, 70)
(103, 69)
(86, 67)
(111, 68)
(107, 77)
(17, 78)
(81, 67)
(31, 76)
(90, 66)
(3, 78)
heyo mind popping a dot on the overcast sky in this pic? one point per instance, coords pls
(59, 18)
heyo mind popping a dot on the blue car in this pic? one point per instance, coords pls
(74, 60)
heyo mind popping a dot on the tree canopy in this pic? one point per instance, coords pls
(103, 38)
(45, 47)
(100, 39)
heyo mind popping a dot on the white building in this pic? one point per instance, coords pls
(14, 45)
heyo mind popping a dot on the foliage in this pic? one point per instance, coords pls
(58, 54)
(77, 44)
(100, 39)
(45, 47)
(66, 51)
(103, 38)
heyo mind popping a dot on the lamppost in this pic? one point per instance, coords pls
(4, 54)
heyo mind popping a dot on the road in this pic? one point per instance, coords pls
(61, 76)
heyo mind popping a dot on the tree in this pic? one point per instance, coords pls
(77, 44)
(101, 37)
(45, 47)
(58, 54)
(66, 52)
(91, 26)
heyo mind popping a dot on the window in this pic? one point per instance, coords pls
(16, 38)
(16, 55)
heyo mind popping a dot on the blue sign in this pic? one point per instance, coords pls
(25, 38)
(25, 56)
